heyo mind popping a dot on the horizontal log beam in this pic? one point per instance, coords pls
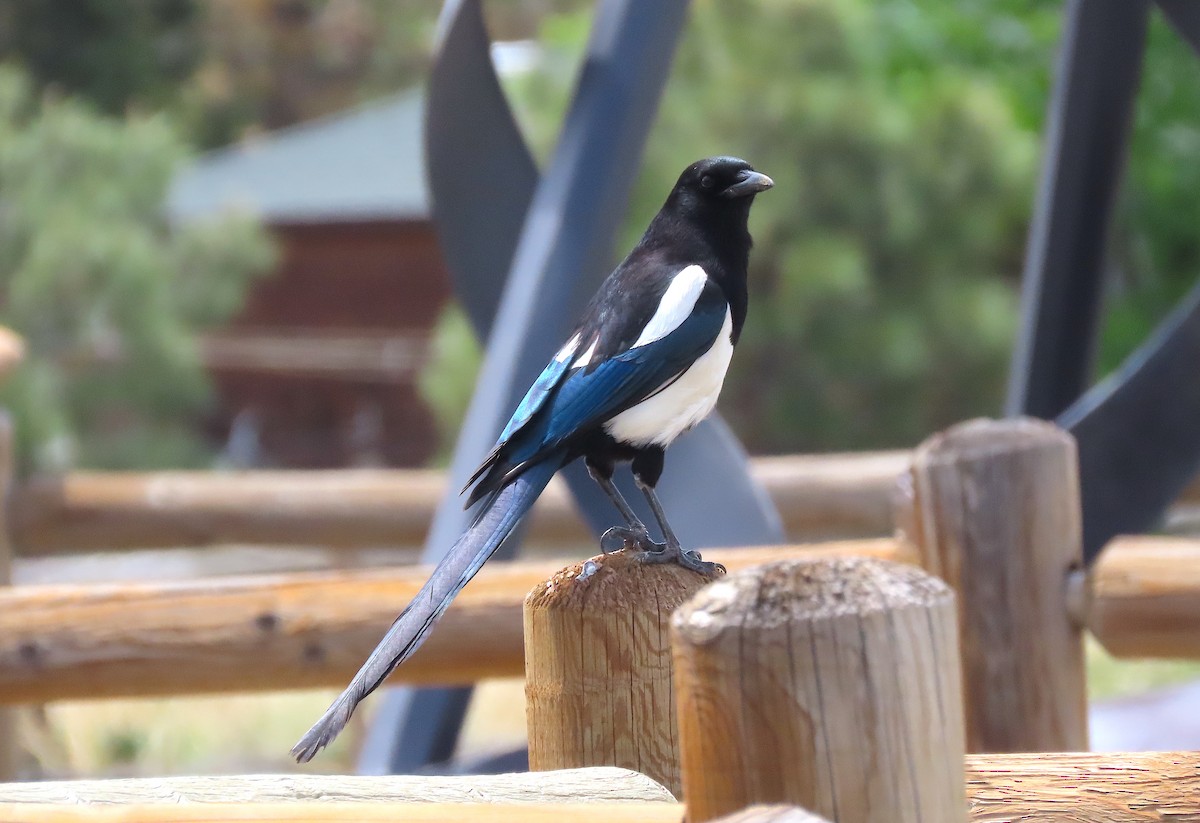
(1126, 787)
(627, 812)
(819, 497)
(1144, 597)
(274, 632)
(314, 629)
(1108, 787)
(604, 784)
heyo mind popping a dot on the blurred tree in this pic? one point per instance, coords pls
(223, 69)
(904, 135)
(113, 53)
(883, 276)
(108, 297)
(1155, 251)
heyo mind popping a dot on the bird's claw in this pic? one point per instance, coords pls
(673, 553)
(618, 537)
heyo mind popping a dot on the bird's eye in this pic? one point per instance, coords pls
(707, 181)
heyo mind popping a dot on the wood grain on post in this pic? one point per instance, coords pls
(998, 518)
(598, 666)
(831, 684)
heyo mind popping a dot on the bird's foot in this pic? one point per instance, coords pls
(674, 553)
(618, 537)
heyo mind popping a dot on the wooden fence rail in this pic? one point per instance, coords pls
(1125, 787)
(820, 497)
(271, 632)
(314, 629)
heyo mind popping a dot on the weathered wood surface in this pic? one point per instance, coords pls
(997, 515)
(314, 629)
(831, 684)
(1123, 787)
(274, 632)
(821, 497)
(598, 666)
(626, 812)
(772, 814)
(1082, 787)
(594, 785)
(1144, 598)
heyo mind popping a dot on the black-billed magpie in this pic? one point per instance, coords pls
(644, 365)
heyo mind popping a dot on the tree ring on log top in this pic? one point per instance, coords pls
(777, 593)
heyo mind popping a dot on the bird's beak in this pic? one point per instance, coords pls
(749, 182)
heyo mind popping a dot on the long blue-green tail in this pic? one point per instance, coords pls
(499, 516)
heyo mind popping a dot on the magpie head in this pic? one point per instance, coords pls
(720, 183)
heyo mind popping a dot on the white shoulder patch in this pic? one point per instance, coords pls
(567, 350)
(676, 305)
(585, 358)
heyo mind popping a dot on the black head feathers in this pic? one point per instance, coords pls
(721, 178)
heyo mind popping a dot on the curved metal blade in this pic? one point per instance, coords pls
(1139, 432)
(481, 175)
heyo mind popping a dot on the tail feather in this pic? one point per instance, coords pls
(485, 534)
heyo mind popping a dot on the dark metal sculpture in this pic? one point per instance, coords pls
(1138, 432)
(527, 249)
(1087, 130)
(531, 252)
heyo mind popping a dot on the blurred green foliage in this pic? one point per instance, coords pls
(220, 70)
(883, 274)
(904, 136)
(108, 296)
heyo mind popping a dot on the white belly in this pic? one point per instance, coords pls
(660, 419)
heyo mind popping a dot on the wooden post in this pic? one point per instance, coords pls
(8, 717)
(996, 515)
(831, 684)
(598, 666)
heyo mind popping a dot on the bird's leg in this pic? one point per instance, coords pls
(672, 551)
(635, 531)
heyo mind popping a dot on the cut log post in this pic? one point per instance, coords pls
(997, 516)
(598, 666)
(831, 684)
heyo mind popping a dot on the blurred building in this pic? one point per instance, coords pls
(319, 368)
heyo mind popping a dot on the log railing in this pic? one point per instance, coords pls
(314, 628)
